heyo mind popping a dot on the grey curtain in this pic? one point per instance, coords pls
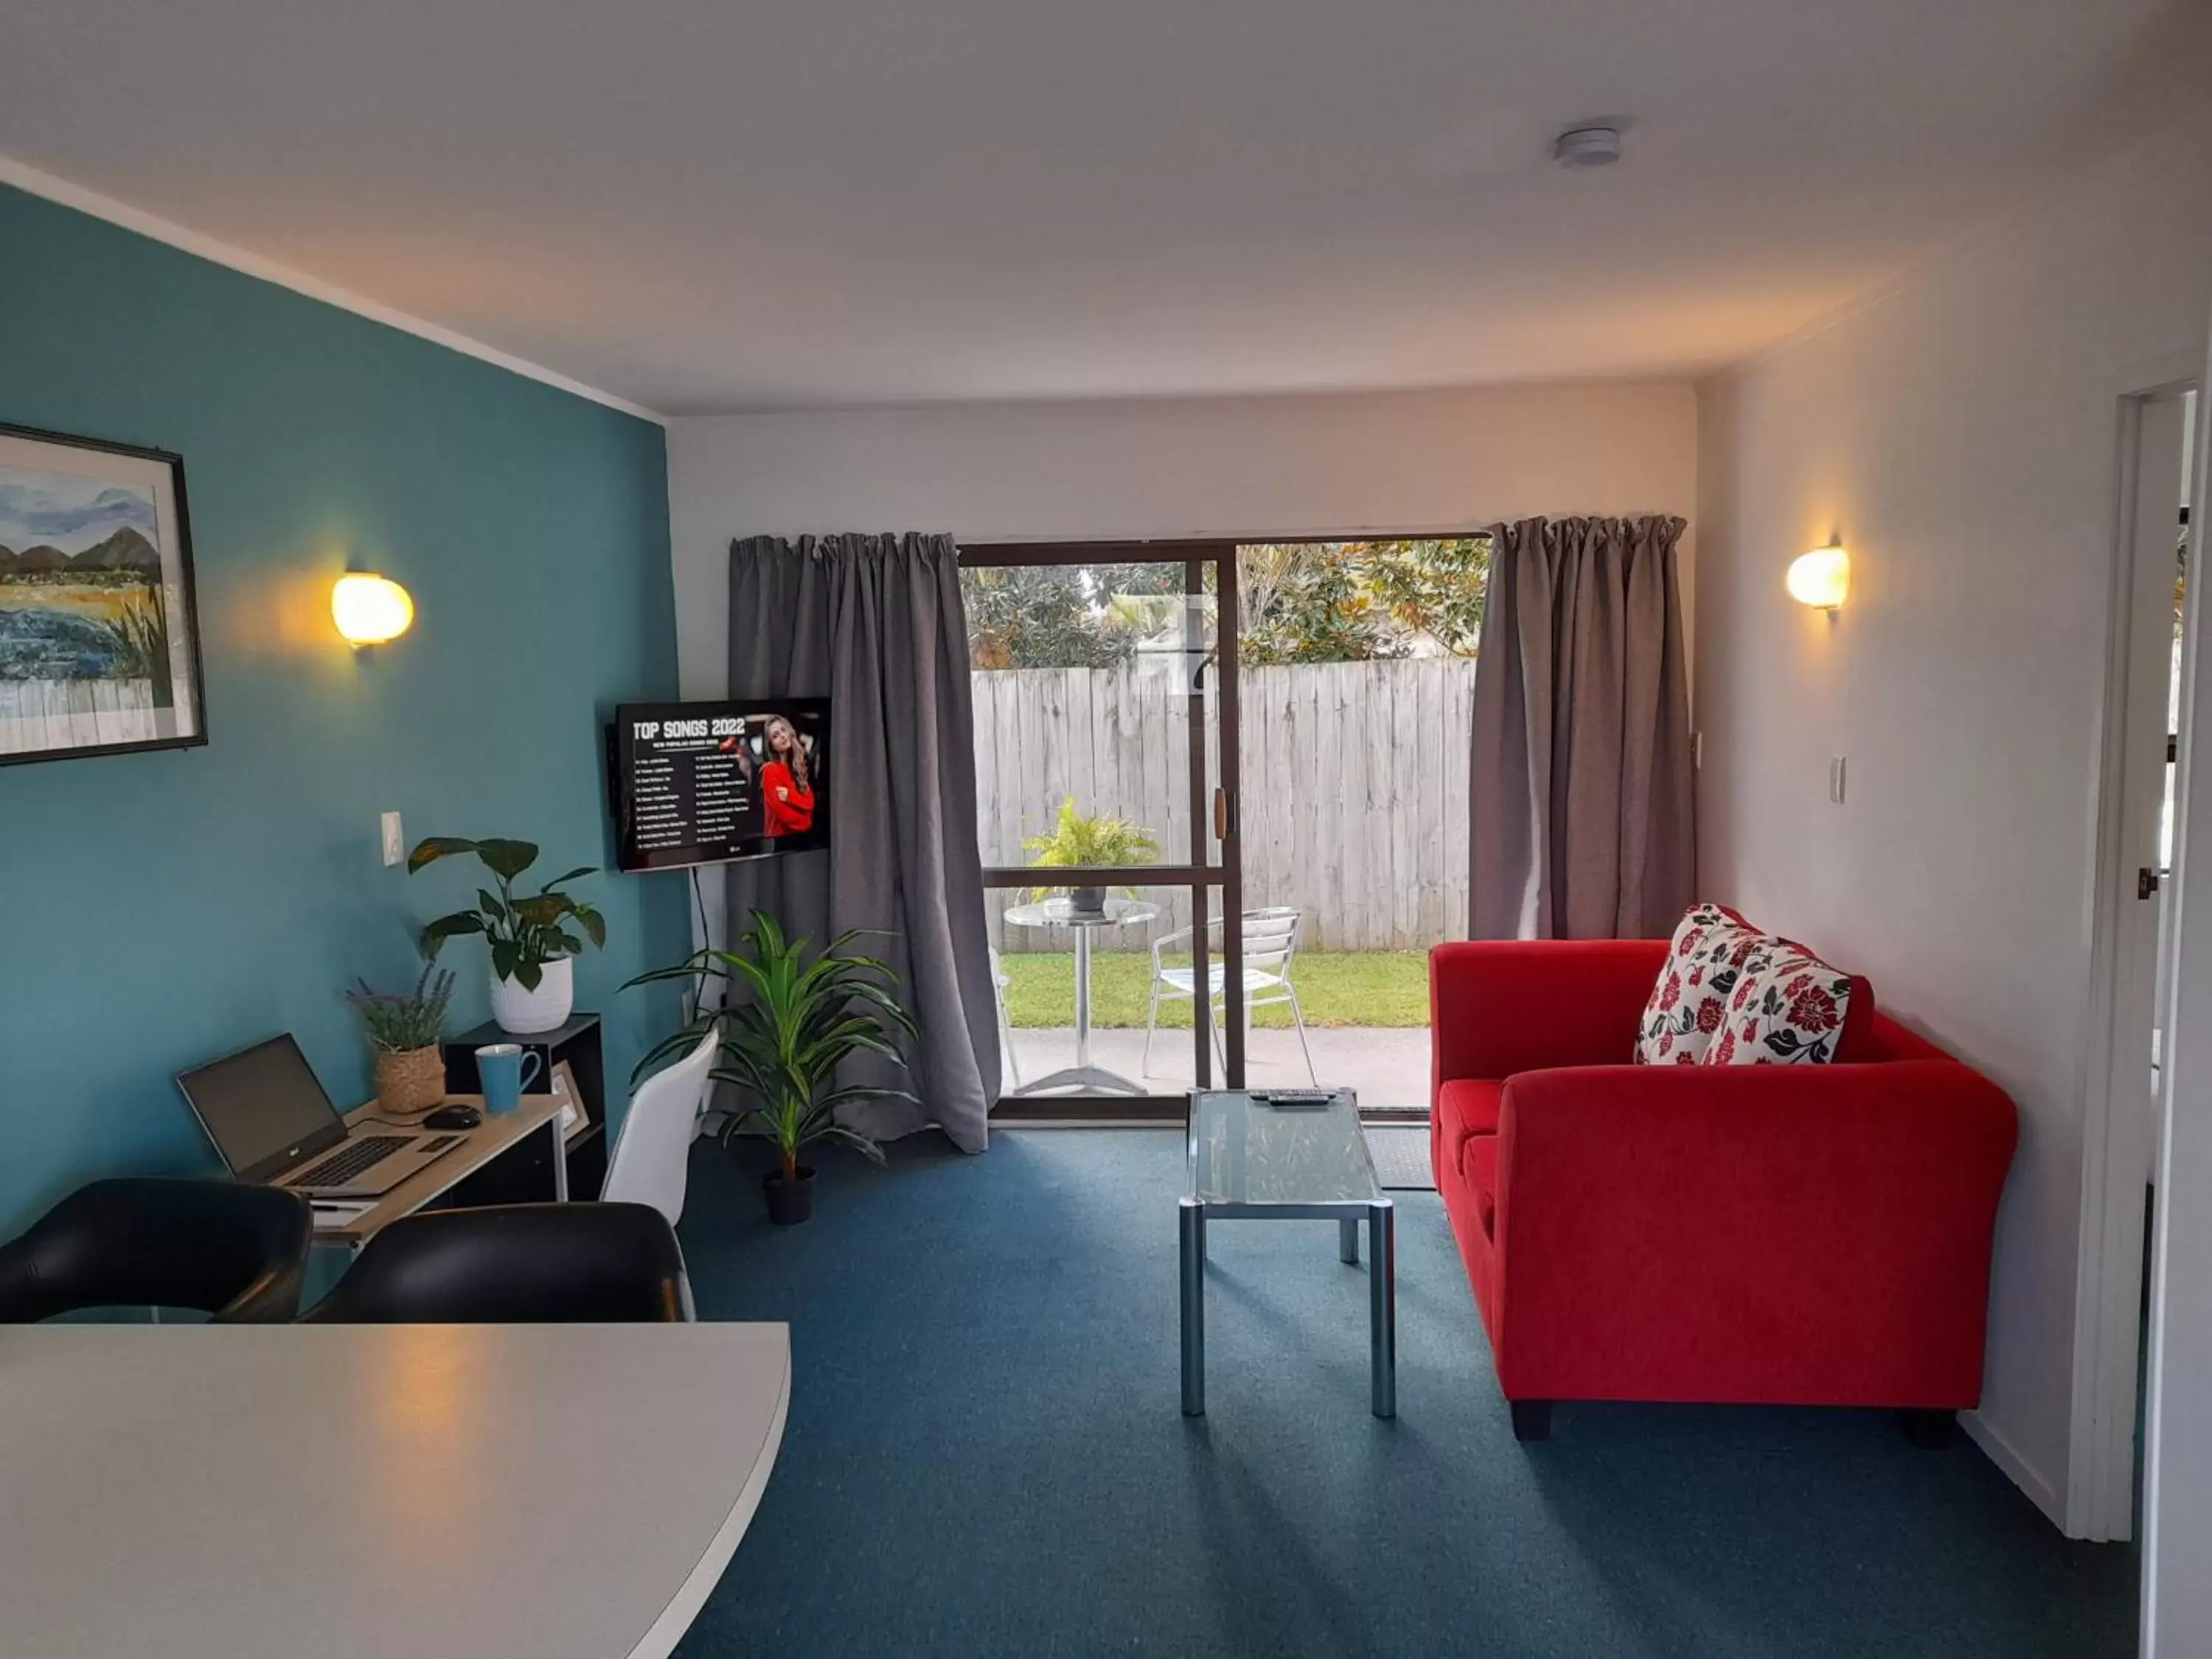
(875, 624)
(1582, 809)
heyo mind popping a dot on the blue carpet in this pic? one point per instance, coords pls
(985, 1456)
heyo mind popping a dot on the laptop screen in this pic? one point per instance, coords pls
(263, 1107)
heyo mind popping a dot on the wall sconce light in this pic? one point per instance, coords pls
(370, 610)
(1821, 579)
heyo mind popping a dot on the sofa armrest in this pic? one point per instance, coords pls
(1500, 1006)
(1789, 1233)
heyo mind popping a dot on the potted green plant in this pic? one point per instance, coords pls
(1075, 842)
(533, 954)
(403, 1028)
(799, 1016)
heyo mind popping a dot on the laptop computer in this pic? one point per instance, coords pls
(272, 1122)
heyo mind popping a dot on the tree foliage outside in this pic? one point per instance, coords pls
(1058, 616)
(1361, 601)
(1298, 602)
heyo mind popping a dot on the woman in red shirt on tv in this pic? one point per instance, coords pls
(787, 787)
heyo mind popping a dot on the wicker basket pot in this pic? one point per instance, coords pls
(409, 1081)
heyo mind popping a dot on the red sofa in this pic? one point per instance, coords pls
(1778, 1234)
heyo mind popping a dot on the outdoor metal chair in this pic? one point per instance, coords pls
(1271, 939)
(1000, 984)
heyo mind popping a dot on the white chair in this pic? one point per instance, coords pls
(1271, 939)
(653, 1154)
(1000, 984)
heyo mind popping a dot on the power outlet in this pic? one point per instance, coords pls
(395, 843)
(1836, 779)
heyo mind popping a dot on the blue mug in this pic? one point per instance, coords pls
(502, 1076)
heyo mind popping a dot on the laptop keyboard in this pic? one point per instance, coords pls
(350, 1160)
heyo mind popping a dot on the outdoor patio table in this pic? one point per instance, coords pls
(1059, 913)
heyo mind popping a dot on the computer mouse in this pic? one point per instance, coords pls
(455, 1117)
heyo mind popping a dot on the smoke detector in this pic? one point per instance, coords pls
(1587, 147)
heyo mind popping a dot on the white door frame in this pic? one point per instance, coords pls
(2176, 1595)
(2116, 1142)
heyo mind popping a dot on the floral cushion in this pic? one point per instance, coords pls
(1703, 968)
(1789, 1007)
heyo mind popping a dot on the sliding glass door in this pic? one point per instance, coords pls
(1105, 743)
(1129, 766)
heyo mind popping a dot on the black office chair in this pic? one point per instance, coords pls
(237, 1252)
(516, 1264)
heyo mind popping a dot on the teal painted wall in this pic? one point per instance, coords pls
(159, 910)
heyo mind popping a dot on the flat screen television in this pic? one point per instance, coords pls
(693, 783)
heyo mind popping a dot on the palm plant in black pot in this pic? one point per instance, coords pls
(799, 1016)
(1076, 843)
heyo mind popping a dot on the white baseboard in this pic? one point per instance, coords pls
(2017, 1469)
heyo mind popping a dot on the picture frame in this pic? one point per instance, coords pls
(574, 1119)
(100, 642)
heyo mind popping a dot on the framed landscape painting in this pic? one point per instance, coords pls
(100, 650)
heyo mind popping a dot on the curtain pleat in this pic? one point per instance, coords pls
(1581, 815)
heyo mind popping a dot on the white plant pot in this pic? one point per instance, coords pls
(523, 1013)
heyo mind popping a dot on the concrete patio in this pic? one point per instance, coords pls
(1387, 1066)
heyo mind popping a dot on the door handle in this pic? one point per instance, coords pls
(1221, 813)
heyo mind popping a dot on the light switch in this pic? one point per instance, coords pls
(1836, 779)
(395, 843)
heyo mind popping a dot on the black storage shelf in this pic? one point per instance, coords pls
(525, 1175)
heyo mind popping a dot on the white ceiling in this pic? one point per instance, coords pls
(718, 204)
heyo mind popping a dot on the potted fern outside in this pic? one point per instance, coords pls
(533, 983)
(800, 1014)
(404, 1029)
(1075, 843)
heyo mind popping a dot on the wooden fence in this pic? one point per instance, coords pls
(1355, 788)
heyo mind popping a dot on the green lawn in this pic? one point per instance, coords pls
(1335, 988)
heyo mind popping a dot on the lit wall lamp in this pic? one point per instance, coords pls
(1821, 579)
(370, 610)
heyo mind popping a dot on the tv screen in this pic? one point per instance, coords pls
(706, 782)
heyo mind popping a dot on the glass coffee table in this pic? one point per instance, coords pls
(1292, 1154)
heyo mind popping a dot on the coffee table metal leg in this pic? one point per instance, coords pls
(1382, 1306)
(1194, 1308)
(1347, 1239)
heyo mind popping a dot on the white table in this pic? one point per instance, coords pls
(365, 1491)
(1061, 913)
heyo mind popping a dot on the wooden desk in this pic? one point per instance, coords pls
(479, 1146)
(377, 1491)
